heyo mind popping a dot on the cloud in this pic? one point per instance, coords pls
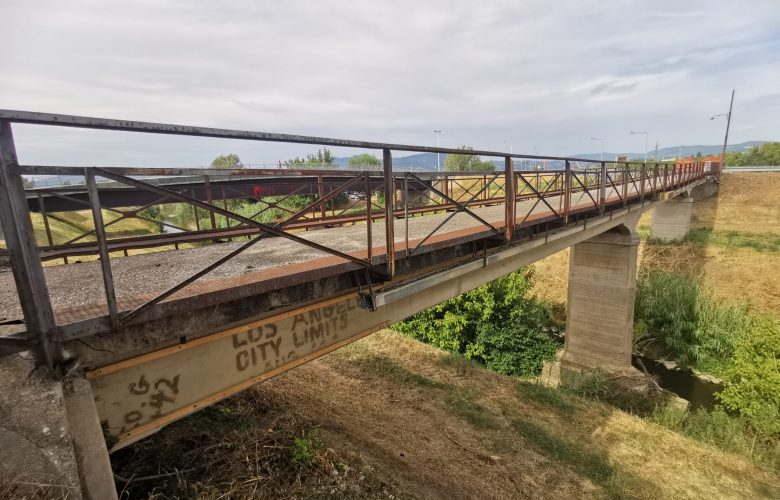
(534, 73)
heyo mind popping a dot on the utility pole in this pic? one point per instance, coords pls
(726, 138)
(656, 150)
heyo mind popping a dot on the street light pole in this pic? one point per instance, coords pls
(602, 145)
(646, 135)
(438, 163)
(726, 138)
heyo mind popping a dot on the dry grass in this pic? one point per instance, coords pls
(747, 205)
(14, 486)
(414, 421)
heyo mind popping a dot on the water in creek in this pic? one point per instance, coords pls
(700, 393)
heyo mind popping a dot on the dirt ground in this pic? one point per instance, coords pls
(394, 418)
(747, 207)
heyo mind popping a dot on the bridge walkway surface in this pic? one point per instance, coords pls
(132, 343)
(76, 290)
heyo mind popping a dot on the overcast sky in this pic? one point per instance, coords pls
(539, 75)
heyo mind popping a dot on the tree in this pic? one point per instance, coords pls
(322, 158)
(467, 162)
(227, 161)
(364, 160)
(28, 183)
(765, 154)
(500, 324)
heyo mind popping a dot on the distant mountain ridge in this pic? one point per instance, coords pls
(427, 161)
(675, 151)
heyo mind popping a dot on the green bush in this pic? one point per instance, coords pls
(261, 211)
(499, 324)
(675, 315)
(753, 378)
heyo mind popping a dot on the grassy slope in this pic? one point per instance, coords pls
(735, 248)
(396, 417)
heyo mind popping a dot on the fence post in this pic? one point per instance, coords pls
(603, 188)
(100, 233)
(23, 254)
(566, 192)
(509, 198)
(642, 177)
(389, 191)
(655, 179)
(210, 200)
(321, 195)
(625, 184)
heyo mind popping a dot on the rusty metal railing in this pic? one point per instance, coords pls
(365, 198)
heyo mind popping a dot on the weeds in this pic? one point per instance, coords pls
(734, 239)
(464, 406)
(389, 369)
(677, 317)
(637, 394)
(303, 449)
(730, 433)
(546, 395)
(462, 366)
(595, 466)
(244, 445)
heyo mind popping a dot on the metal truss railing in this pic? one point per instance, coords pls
(364, 198)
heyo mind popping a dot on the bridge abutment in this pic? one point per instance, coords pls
(600, 306)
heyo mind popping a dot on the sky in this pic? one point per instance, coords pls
(535, 76)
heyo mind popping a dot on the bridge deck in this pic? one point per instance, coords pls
(77, 289)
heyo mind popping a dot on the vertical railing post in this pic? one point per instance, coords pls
(406, 211)
(369, 237)
(446, 189)
(210, 200)
(389, 190)
(655, 179)
(321, 195)
(44, 214)
(567, 192)
(100, 234)
(23, 255)
(642, 177)
(509, 198)
(665, 180)
(195, 211)
(603, 188)
(625, 185)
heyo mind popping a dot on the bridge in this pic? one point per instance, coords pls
(131, 342)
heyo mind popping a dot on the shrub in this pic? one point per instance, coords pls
(262, 211)
(499, 324)
(753, 378)
(677, 316)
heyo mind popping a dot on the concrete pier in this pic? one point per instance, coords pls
(600, 306)
(672, 220)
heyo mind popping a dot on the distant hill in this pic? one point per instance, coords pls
(673, 152)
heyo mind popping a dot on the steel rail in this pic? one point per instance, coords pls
(73, 121)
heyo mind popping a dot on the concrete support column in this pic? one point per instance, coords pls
(600, 307)
(671, 220)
